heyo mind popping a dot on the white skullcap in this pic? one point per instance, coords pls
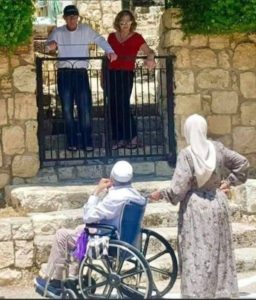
(122, 171)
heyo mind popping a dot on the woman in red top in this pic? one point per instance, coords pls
(126, 43)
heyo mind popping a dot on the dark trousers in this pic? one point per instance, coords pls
(119, 89)
(73, 87)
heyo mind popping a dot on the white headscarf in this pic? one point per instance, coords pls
(202, 150)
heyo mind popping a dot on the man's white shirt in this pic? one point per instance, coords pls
(108, 210)
(76, 44)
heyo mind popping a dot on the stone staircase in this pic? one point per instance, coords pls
(25, 241)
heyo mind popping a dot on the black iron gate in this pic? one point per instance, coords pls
(151, 104)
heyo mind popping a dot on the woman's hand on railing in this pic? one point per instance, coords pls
(150, 63)
(112, 56)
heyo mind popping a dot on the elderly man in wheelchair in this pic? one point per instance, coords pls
(111, 256)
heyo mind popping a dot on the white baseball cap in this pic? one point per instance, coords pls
(122, 171)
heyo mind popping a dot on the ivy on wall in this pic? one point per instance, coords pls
(16, 22)
(216, 16)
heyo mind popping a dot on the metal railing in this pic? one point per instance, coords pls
(151, 104)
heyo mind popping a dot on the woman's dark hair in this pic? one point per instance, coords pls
(120, 15)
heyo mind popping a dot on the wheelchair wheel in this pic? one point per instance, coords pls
(68, 294)
(163, 265)
(123, 273)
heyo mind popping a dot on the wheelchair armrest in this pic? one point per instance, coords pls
(107, 229)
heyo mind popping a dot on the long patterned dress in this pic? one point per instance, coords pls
(206, 258)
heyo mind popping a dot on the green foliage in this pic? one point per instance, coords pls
(216, 16)
(16, 22)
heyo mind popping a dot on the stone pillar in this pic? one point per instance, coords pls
(18, 117)
(215, 76)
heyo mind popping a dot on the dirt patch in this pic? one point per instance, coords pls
(9, 211)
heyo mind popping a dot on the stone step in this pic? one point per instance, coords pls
(47, 223)
(245, 261)
(71, 195)
(244, 236)
(46, 198)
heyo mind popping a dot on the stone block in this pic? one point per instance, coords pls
(49, 198)
(24, 254)
(25, 165)
(203, 58)
(47, 224)
(24, 78)
(187, 104)
(13, 140)
(182, 59)
(184, 82)
(7, 254)
(4, 179)
(243, 55)
(31, 136)
(175, 38)
(248, 113)
(25, 107)
(248, 84)
(22, 228)
(90, 172)
(5, 233)
(163, 169)
(213, 79)
(9, 276)
(244, 139)
(219, 42)
(198, 40)
(66, 173)
(219, 124)
(3, 112)
(224, 59)
(224, 102)
(146, 168)
(42, 248)
(251, 195)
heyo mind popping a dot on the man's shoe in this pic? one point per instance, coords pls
(54, 289)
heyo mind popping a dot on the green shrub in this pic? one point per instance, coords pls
(216, 16)
(16, 22)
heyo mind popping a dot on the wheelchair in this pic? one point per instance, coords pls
(131, 268)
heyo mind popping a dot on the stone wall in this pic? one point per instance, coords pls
(215, 76)
(18, 117)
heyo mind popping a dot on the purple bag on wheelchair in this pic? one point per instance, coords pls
(81, 245)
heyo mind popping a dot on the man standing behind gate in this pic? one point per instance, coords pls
(72, 40)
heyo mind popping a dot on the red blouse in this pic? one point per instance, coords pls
(126, 51)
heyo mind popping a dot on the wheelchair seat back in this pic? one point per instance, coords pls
(131, 222)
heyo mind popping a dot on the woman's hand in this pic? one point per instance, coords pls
(155, 196)
(112, 56)
(225, 187)
(150, 63)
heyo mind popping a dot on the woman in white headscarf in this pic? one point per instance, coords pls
(206, 259)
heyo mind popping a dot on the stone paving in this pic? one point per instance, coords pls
(246, 282)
